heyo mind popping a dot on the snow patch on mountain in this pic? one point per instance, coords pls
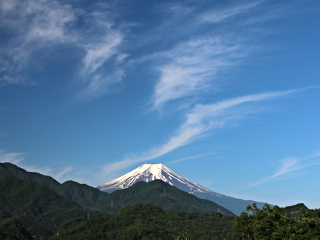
(150, 172)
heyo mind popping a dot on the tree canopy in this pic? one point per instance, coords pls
(276, 223)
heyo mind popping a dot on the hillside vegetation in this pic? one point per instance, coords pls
(157, 192)
(19, 173)
(295, 223)
(32, 211)
(145, 221)
(38, 207)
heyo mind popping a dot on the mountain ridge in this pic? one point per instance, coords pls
(149, 193)
(169, 198)
(38, 208)
(150, 172)
(20, 173)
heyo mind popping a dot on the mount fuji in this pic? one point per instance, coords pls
(150, 172)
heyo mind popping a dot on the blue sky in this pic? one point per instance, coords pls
(226, 93)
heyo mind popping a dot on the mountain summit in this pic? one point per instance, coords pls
(149, 172)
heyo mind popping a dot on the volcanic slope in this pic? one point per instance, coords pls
(150, 172)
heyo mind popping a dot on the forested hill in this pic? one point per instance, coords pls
(293, 223)
(29, 210)
(17, 172)
(36, 207)
(145, 221)
(157, 192)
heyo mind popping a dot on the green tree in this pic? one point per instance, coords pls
(265, 223)
(274, 223)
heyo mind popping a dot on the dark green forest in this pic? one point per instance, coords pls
(145, 221)
(294, 222)
(34, 206)
(38, 206)
(157, 193)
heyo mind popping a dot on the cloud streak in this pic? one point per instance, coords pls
(217, 16)
(13, 157)
(191, 68)
(99, 40)
(18, 159)
(64, 171)
(191, 157)
(103, 59)
(289, 165)
(40, 26)
(34, 25)
(199, 121)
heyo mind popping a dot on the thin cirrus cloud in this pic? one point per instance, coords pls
(33, 25)
(38, 26)
(192, 66)
(102, 63)
(223, 14)
(62, 173)
(199, 121)
(289, 165)
(18, 158)
(12, 157)
(191, 157)
(97, 55)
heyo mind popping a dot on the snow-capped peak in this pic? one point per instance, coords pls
(149, 172)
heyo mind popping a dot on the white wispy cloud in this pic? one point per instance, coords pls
(42, 25)
(98, 54)
(289, 165)
(190, 157)
(199, 121)
(191, 67)
(219, 15)
(18, 159)
(11, 157)
(102, 63)
(33, 25)
(62, 173)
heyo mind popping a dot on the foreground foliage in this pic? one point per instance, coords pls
(278, 223)
(144, 221)
(34, 206)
